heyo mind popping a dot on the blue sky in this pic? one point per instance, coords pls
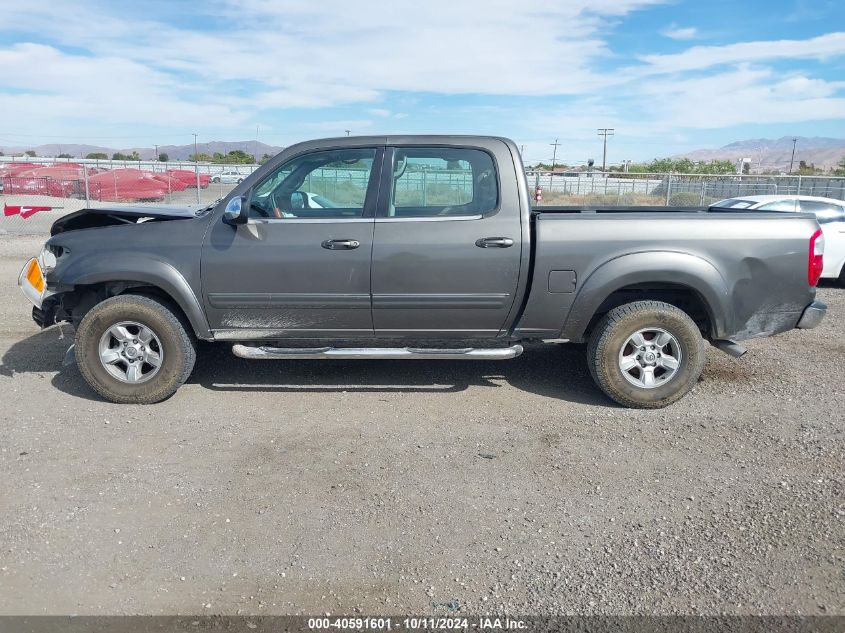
(667, 75)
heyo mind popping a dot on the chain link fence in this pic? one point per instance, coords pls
(69, 186)
(676, 189)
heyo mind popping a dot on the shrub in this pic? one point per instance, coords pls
(685, 199)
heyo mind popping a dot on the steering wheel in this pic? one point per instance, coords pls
(259, 210)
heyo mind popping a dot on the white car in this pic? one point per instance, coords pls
(229, 177)
(829, 212)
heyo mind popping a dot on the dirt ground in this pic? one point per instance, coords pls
(396, 487)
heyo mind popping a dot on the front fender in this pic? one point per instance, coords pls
(657, 267)
(102, 268)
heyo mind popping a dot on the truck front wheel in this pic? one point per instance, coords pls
(134, 350)
(646, 354)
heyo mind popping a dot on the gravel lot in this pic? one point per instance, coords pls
(416, 486)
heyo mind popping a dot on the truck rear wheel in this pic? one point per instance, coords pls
(646, 354)
(134, 350)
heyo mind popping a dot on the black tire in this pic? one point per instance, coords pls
(610, 335)
(177, 345)
(842, 277)
(215, 179)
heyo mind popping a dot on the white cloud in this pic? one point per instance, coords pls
(49, 85)
(680, 33)
(375, 59)
(701, 57)
(476, 46)
(744, 96)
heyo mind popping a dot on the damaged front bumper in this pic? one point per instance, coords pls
(812, 316)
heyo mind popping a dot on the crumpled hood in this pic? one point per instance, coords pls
(122, 214)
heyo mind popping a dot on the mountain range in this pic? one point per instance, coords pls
(765, 154)
(776, 154)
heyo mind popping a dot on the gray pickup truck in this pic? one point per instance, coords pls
(417, 247)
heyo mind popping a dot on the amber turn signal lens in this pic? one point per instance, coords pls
(34, 276)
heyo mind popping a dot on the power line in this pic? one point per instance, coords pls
(792, 160)
(554, 154)
(605, 132)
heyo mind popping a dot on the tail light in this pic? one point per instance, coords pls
(815, 263)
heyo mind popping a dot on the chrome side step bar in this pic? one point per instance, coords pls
(296, 353)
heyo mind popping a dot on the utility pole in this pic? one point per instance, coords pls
(792, 160)
(605, 132)
(347, 132)
(197, 167)
(155, 154)
(554, 156)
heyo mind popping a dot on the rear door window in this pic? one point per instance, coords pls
(442, 182)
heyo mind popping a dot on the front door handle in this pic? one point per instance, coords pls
(494, 242)
(340, 245)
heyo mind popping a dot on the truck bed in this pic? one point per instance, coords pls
(754, 264)
(614, 209)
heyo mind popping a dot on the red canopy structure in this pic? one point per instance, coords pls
(170, 181)
(126, 184)
(62, 180)
(190, 177)
(13, 169)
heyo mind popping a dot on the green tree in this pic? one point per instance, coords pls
(548, 166)
(840, 168)
(683, 166)
(235, 157)
(264, 159)
(201, 157)
(715, 167)
(65, 156)
(30, 152)
(97, 156)
(163, 158)
(807, 170)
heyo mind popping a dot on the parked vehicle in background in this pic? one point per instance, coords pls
(829, 212)
(458, 267)
(229, 177)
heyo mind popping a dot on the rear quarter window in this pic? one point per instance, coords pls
(442, 181)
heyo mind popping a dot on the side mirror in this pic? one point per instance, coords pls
(235, 211)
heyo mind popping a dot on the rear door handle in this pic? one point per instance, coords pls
(340, 245)
(494, 242)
